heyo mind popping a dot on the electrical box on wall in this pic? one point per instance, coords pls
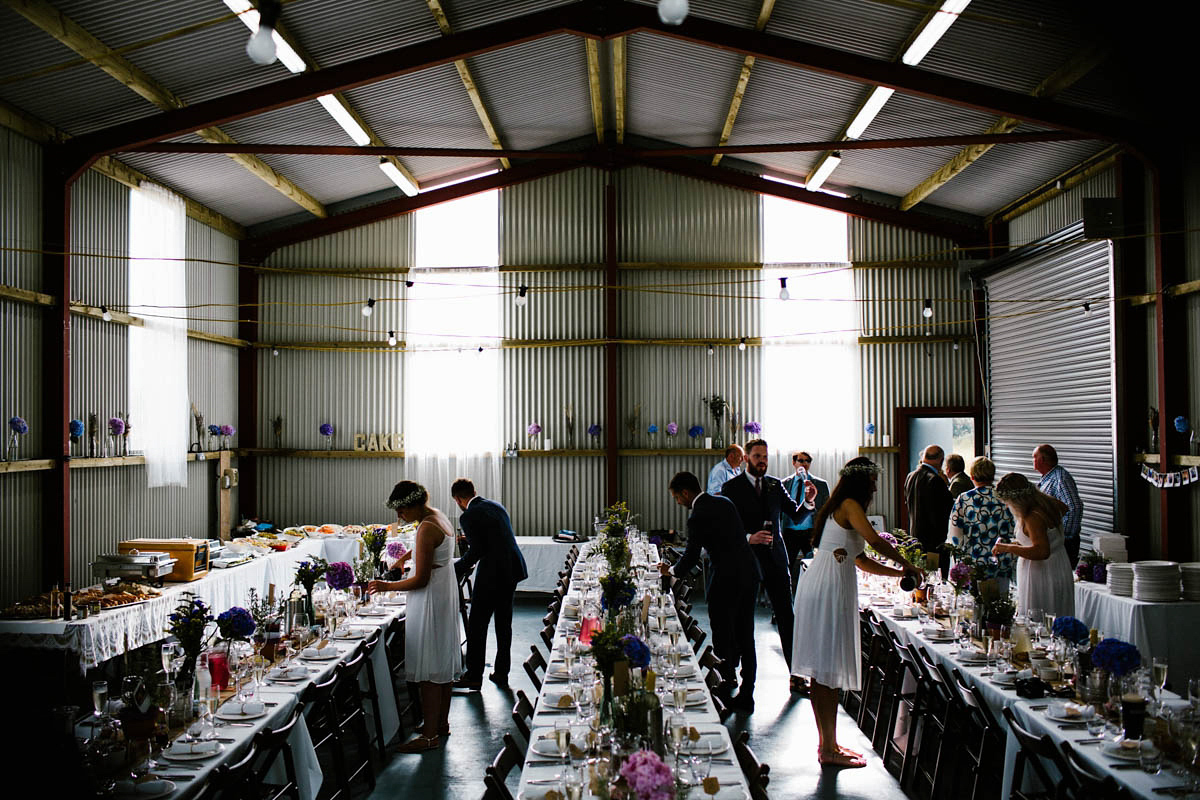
(229, 478)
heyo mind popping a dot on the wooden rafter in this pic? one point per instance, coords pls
(464, 72)
(33, 128)
(1079, 65)
(68, 32)
(595, 87)
(739, 90)
(313, 66)
(618, 67)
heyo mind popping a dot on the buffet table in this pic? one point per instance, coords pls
(113, 631)
(544, 558)
(1154, 627)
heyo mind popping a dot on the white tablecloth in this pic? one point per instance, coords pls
(1158, 629)
(544, 558)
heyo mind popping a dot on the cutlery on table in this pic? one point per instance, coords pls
(166, 777)
(1123, 765)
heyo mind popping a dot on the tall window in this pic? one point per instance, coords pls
(810, 341)
(451, 388)
(158, 399)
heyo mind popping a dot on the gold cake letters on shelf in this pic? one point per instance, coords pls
(379, 442)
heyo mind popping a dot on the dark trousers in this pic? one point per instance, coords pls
(487, 602)
(1072, 547)
(778, 583)
(731, 619)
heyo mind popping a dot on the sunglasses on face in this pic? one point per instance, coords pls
(803, 460)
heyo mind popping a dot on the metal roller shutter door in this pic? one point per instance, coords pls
(1050, 369)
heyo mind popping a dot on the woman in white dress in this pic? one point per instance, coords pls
(1044, 576)
(432, 656)
(826, 644)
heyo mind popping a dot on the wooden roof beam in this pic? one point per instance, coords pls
(66, 31)
(1076, 67)
(595, 87)
(618, 68)
(464, 73)
(739, 89)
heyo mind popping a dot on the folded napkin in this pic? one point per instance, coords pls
(1073, 710)
(288, 672)
(935, 631)
(142, 788)
(1024, 674)
(181, 748)
(312, 652)
(249, 709)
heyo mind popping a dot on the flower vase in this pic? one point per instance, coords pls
(309, 609)
(718, 442)
(329, 443)
(605, 712)
(11, 454)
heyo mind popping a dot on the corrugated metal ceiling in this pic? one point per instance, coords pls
(537, 92)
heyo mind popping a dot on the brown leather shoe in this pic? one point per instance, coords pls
(419, 744)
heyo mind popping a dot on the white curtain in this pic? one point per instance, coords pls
(158, 393)
(452, 390)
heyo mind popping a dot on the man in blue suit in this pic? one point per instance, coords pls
(492, 545)
(761, 500)
(714, 525)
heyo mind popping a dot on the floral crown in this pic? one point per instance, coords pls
(410, 499)
(871, 469)
(1014, 492)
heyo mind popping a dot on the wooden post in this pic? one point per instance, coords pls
(611, 372)
(224, 497)
(56, 380)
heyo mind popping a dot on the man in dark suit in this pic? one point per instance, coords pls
(714, 525)
(797, 536)
(761, 501)
(927, 498)
(492, 545)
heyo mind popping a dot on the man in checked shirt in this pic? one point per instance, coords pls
(1058, 483)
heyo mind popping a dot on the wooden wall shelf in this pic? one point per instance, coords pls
(862, 450)
(1176, 461)
(283, 452)
(46, 464)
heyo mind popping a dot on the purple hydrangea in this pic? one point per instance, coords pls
(1083, 572)
(228, 430)
(340, 575)
(672, 428)
(75, 428)
(752, 428)
(18, 425)
(647, 776)
(960, 575)
(594, 429)
(887, 537)
(326, 429)
(652, 429)
(395, 549)
(1100, 573)
(534, 429)
(236, 623)
(116, 426)
(696, 431)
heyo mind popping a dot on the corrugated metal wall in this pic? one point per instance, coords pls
(1061, 211)
(907, 374)
(555, 220)
(107, 503)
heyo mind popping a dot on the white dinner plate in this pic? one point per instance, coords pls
(718, 742)
(234, 716)
(375, 612)
(1114, 750)
(1054, 712)
(328, 654)
(145, 790)
(184, 755)
(349, 635)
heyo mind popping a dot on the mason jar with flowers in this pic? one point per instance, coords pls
(308, 572)
(235, 626)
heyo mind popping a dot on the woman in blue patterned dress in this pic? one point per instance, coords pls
(979, 519)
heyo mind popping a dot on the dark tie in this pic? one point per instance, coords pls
(758, 486)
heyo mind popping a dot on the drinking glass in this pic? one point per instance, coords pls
(679, 693)
(562, 739)
(1036, 619)
(1095, 724)
(573, 783)
(171, 653)
(1150, 757)
(1159, 668)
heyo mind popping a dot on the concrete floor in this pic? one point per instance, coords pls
(782, 731)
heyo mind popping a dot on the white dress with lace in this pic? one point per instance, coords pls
(432, 639)
(825, 644)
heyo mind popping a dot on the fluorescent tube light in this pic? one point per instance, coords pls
(397, 177)
(344, 118)
(827, 166)
(867, 114)
(248, 14)
(938, 24)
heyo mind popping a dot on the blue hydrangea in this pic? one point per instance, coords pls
(635, 650)
(1116, 657)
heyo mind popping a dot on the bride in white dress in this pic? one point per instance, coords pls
(1044, 576)
(826, 644)
(431, 643)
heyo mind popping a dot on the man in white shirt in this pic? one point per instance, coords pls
(729, 467)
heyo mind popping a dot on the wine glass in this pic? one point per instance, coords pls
(1159, 671)
(99, 702)
(562, 739)
(677, 728)
(300, 629)
(1036, 618)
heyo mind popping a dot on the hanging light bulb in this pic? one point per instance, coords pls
(274, 351)
(261, 47)
(672, 12)
(408, 284)
(391, 338)
(927, 310)
(104, 315)
(742, 344)
(1087, 309)
(710, 350)
(784, 294)
(522, 296)
(481, 348)
(369, 307)
(956, 345)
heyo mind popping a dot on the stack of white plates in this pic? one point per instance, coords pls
(1191, 580)
(1156, 581)
(1120, 579)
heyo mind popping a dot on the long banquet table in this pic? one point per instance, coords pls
(1140, 784)
(544, 557)
(539, 770)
